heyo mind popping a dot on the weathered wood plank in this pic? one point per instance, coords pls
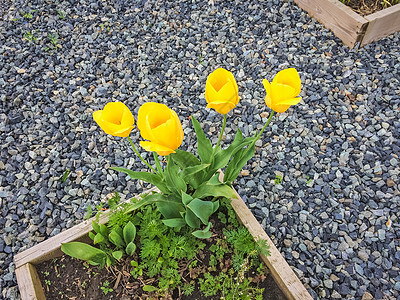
(279, 268)
(381, 24)
(29, 284)
(283, 275)
(344, 22)
(50, 248)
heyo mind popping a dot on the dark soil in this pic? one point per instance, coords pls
(72, 279)
(69, 278)
(367, 7)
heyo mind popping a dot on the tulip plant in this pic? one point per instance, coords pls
(189, 183)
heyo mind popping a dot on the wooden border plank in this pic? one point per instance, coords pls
(50, 248)
(342, 20)
(382, 24)
(29, 284)
(284, 276)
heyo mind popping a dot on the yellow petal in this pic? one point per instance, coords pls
(161, 150)
(151, 115)
(292, 101)
(221, 107)
(218, 78)
(281, 92)
(289, 77)
(221, 87)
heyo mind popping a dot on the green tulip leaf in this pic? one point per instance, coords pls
(116, 239)
(191, 219)
(153, 198)
(130, 249)
(238, 162)
(175, 182)
(170, 210)
(129, 232)
(84, 252)
(204, 148)
(202, 209)
(96, 226)
(177, 222)
(92, 235)
(203, 234)
(104, 230)
(221, 190)
(184, 159)
(108, 261)
(151, 178)
(117, 254)
(186, 198)
(98, 238)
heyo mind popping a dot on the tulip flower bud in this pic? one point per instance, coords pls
(161, 127)
(115, 119)
(283, 91)
(222, 92)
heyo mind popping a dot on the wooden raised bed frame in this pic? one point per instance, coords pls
(353, 29)
(31, 289)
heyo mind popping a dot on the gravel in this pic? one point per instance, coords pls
(337, 151)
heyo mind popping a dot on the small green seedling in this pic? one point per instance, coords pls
(29, 36)
(105, 287)
(61, 14)
(278, 179)
(65, 176)
(28, 15)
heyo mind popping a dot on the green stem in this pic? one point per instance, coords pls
(141, 158)
(266, 124)
(158, 164)
(222, 132)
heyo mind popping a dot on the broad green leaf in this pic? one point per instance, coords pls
(149, 288)
(238, 162)
(203, 234)
(129, 232)
(193, 170)
(104, 230)
(186, 198)
(108, 261)
(83, 251)
(117, 254)
(153, 198)
(177, 222)
(151, 178)
(116, 239)
(98, 238)
(130, 249)
(191, 219)
(215, 206)
(96, 226)
(221, 190)
(170, 210)
(202, 209)
(222, 157)
(173, 179)
(184, 159)
(92, 235)
(204, 148)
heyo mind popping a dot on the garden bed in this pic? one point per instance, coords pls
(352, 28)
(31, 288)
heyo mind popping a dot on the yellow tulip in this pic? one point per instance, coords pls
(115, 119)
(222, 93)
(161, 127)
(283, 91)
